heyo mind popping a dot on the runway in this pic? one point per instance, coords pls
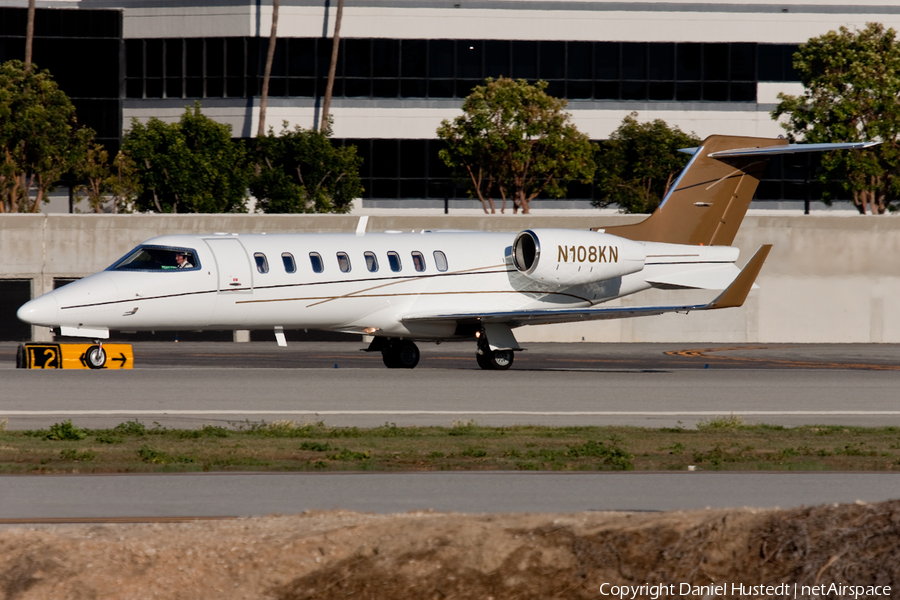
(650, 385)
(80, 497)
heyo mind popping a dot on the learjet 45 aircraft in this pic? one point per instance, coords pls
(433, 285)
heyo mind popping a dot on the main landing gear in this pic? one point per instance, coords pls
(399, 354)
(496, 355)
(493, 360)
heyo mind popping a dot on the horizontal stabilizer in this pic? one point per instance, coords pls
(788, 149)
(737, 292)
(734, 295)
(717, 277)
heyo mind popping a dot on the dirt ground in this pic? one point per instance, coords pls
(425, 555)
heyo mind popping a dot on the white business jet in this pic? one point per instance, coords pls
(433, 285)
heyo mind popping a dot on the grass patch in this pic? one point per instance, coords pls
(724, 443)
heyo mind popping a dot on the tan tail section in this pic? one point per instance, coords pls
(710, 199)
(736, 293)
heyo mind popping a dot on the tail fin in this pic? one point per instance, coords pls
(708, 201)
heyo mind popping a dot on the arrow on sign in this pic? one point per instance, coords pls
(122, 359)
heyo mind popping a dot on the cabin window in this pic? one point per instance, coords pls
(440, 260)
(262, 265)
(418, 261)
(315, 259)
(158, 258)
(289, 265)
(371, 262)
(394, 260)
(343, 262)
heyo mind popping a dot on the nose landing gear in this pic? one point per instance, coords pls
(95, 356)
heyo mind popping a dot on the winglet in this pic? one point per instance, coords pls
(735, 294)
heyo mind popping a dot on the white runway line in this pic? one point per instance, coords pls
(703, 413)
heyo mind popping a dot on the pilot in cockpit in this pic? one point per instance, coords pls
(183, 261)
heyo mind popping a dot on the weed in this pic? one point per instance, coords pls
(390, 430)
(676, 448)
(315, 446)
(104, 438)
(130, 428)
(4, 423)
(288, 429)
(436, 454)
(346, 454)
(65, 431)
(209, 431)
(149, 455)
(613, 456)
(714, 457)
(474, 452)
(73, 454)
(463, 427)
(729, 422)
(788, 453)
(855, 450)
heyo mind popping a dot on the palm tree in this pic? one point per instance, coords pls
(29, 35)
(270, 56)
(335, 42)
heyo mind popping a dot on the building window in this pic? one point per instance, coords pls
(386, 68)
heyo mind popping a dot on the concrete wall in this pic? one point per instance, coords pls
(828, 279)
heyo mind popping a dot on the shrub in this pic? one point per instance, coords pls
(65, 431)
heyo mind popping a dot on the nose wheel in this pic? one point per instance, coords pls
(400, 354)
(95, 357)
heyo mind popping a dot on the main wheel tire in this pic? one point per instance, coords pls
(400, 355)
(407, 355)
(501, 360)
(95, 357)
(21, 359)
(494, 360)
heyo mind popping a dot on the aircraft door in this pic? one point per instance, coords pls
(235, 282)
(232, 263)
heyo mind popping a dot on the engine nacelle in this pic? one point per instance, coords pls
(565, 257)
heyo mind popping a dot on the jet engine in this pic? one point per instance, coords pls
(565, 257)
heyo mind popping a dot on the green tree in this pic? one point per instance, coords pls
(192, 166)
(517, 141)
(40, 139)
(302, 171)
(852, 94)
(110, 187)
(639, 162)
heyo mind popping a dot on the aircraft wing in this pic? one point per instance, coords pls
(733, 296)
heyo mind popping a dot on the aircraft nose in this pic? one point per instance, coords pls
(43, 310)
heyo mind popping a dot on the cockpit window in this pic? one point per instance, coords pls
(158, 258)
